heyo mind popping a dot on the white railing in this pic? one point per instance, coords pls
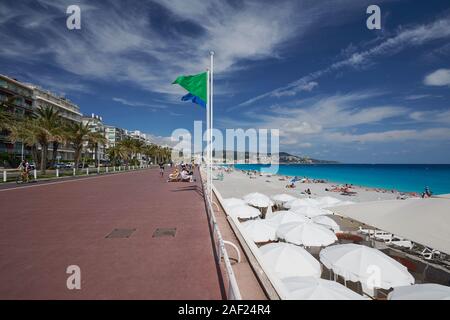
(10, 175)
(275, 282)
(232, 288)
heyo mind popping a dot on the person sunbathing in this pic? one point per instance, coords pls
(174, 176)
(291, 185)
(187, 176)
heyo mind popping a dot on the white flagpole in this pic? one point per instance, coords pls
(208, 163)
(211, 114)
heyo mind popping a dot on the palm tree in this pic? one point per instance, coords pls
(128, 147)
(6, 117)
(77, 134)
(59, 137)
(149, 151)
(116, 154)
(94, 139)
(48, 122)
(25, 132)
(167, 154)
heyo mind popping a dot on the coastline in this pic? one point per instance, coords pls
(237, 184)
(405, 178)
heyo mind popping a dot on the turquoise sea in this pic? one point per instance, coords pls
(402, 177)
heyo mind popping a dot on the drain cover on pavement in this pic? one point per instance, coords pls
(164, 232)
(121, 233)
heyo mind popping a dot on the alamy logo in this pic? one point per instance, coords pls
(73, 21)
(261, 144)
(74, 280)
(374, 20)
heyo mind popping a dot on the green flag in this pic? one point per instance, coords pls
(195, 84)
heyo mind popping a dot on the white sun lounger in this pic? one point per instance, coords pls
(383, 236)
(400, 242)
(429, 254)
(366, 231)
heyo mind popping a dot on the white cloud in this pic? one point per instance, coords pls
(111, 45)
(414, 36)
(121, 43)
(315, 118)
(308, 87)
(419, 96)
(431, 116)
(391, 136)
(439, 77)
(137, 104)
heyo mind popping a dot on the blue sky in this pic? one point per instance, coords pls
(312, 69)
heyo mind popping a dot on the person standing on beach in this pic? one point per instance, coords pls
(161, 169)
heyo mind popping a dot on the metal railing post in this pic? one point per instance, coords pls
(4, 176)
(57, 172)
(35, 174)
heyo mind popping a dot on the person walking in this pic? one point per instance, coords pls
(161, 169)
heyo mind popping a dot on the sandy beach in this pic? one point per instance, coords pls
(238, 184)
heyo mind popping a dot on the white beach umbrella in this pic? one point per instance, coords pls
(283, 198)
(257, 199)
(356, 262)
(281, 217)
(244, 212)
(426, 291)
(326, 222)
(308, 234)
(260, 230)
(328, 201)
(288, 260)
(230, 202)
(310, 288)
(310, 211)
(301, 203)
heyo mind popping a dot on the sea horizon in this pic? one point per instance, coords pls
(401, 177)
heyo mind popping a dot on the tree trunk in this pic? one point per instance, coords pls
(77, 157)
(35, 154)
(44, 153)
(96, 155)
(55, 152)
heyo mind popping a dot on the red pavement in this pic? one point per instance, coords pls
(47, 227)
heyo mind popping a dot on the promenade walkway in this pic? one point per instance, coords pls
(49, 226)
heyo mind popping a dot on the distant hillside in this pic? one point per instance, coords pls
(289, 158)
(284, 158)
